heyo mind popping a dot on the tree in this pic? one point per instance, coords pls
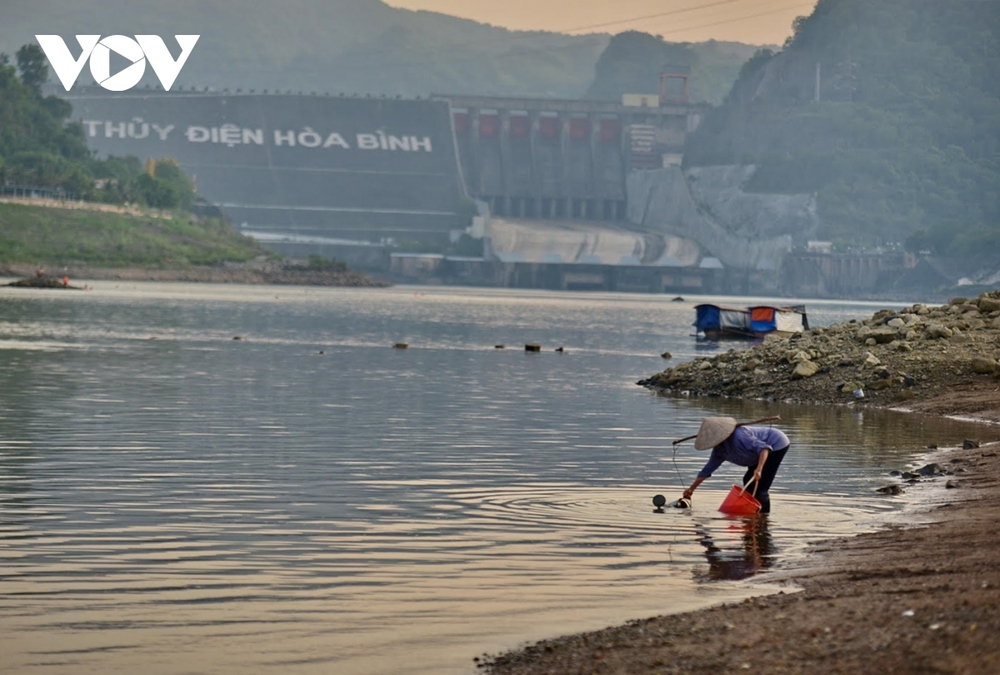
(33, 66)
(632, 63)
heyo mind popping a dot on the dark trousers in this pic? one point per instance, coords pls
(767, 475)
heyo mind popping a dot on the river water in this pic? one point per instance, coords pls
(309, 499)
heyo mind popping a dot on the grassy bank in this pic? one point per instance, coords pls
(43, 235)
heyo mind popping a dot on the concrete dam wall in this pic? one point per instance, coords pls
(307, 166)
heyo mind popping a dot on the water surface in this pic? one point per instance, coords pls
(307, 499)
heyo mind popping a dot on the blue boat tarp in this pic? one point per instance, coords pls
(716, 318)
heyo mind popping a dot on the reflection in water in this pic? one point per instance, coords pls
(744, 549)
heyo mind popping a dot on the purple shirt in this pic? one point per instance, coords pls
(743, 447)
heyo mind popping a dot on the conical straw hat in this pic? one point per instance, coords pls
(713, 431)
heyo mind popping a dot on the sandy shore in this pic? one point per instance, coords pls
(921, 595)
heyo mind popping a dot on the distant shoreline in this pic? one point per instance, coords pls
(234, 273)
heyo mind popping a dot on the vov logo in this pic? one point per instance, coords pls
(137, 52)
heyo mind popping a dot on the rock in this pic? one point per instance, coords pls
(936, 331)
(883, 335)
(871, 361)
(666, 355)
(850, 387)
(896, 323)
(984, 365)
(804, 369)
(880, 384)
(988, 304)
(890, 490)
(933, 469)
(969, 444)
(951, 485)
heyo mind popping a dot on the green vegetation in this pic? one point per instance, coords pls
(39, 148)
(633, 61)
(36, 235)
(903, 144)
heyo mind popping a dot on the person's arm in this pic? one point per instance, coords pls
(714, 462)
(694, 486)
(761, 460)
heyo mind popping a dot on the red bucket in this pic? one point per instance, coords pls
(739, 502)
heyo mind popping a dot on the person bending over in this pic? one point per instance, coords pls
(760, 449)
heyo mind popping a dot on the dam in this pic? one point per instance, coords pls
(337, 168)
(351, 177)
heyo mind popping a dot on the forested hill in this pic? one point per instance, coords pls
(900, 138)
(353, 47)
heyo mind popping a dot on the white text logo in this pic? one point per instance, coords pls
(137, 52)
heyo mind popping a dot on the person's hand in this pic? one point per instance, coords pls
(687, 493)
(757, 474)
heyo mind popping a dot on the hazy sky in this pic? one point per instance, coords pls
(751, 21)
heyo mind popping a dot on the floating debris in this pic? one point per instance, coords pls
(400, 345)
(532, 347)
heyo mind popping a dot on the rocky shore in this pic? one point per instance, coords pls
(252, 272)
(940, 359)
(916, 597)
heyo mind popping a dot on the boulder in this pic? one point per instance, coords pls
(988, 304)
(936, 331)
(984, 365)
(883, 335)
(804, 369)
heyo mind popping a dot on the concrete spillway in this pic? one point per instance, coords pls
(568, 241)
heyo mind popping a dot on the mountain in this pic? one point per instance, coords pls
(632, 62)
(347, 46)
(351, 46)
(888, 111)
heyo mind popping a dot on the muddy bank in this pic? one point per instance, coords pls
(921, 595)
(253, 272)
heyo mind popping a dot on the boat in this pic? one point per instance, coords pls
(717, 322)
